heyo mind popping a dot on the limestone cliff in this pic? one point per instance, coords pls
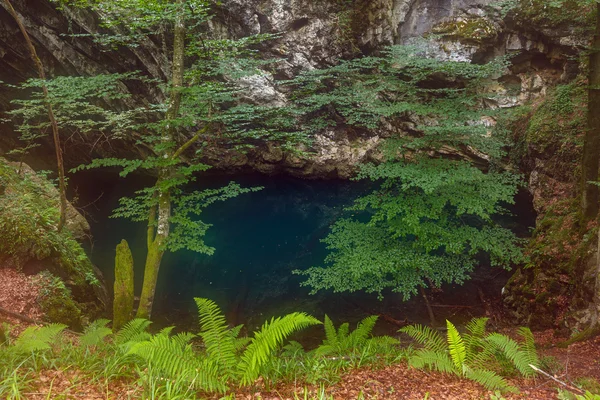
(313, 35)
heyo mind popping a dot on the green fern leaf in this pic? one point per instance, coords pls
(95, 333)
(426, 336)
(528, 346)
(37, 338)
(490, 380)
(359, 336)
(218, 338)
(513, 352)
(133, 331)
(331, 337)
(437, 361)
(267, 340)
(476, 327)
(456, 346)
(175, 359)
(343, 331)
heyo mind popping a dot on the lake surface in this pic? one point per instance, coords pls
(260, 238)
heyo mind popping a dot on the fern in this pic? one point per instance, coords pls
(437, 361)
(528, 346)
(474, 341)
(266, 341)
(362, 331)
(513, 351)
(472, 354)
(133, 331)
(174, 357)
(95, 333)
(331, 335)
(342, 341)
(426, 336)
(218, 338)
(36, 338)
(489, 379)
(456, 346)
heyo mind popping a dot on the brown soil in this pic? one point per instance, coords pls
(19, 294)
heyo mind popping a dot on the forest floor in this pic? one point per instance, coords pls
(576, 364)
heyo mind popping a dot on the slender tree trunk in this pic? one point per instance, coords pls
(55, 135)
(158, 220)
(591, 146)
(429, 309)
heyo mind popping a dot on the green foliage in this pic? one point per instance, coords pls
(474, 355)
(432, 216)
(28, 217)
(95, 333)
(36, 338)
(578, 14)
(226, 358)
(566, 395)
(343, 343)
(56, 301)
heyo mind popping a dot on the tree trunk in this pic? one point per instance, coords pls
(55, 135)
(591, 146)
(156, 251)
(159, 217)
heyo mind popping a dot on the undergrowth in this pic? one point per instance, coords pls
(28, 220)
(217, 360)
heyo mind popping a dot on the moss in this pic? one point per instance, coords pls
(28, 218)
(577, 14)
(57, 303)
(559, 121)
(123, 288)
(28, 236)
(473, 29)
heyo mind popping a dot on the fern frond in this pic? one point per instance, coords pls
(485, 355)
(528, 346)
(359, 336)
(456, 347)
(426, 336)
(166, 331)
(218, 338)
(513, 352)
(343, 331)
(133, 331)
(331, 337)
(175, 359)
(293, 348)
(265, 341)
(239, 344)
(36, 338)
(490, 380)
(235, 331)
(437, 361)
(476, 327)
(384, 341)
(95, 333)
(325, 349)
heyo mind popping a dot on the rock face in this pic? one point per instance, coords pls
(312, 35)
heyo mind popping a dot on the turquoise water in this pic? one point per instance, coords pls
(260, 238)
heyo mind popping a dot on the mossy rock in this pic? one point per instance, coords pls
(30, 241)
(468, 29)
(57, 303)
